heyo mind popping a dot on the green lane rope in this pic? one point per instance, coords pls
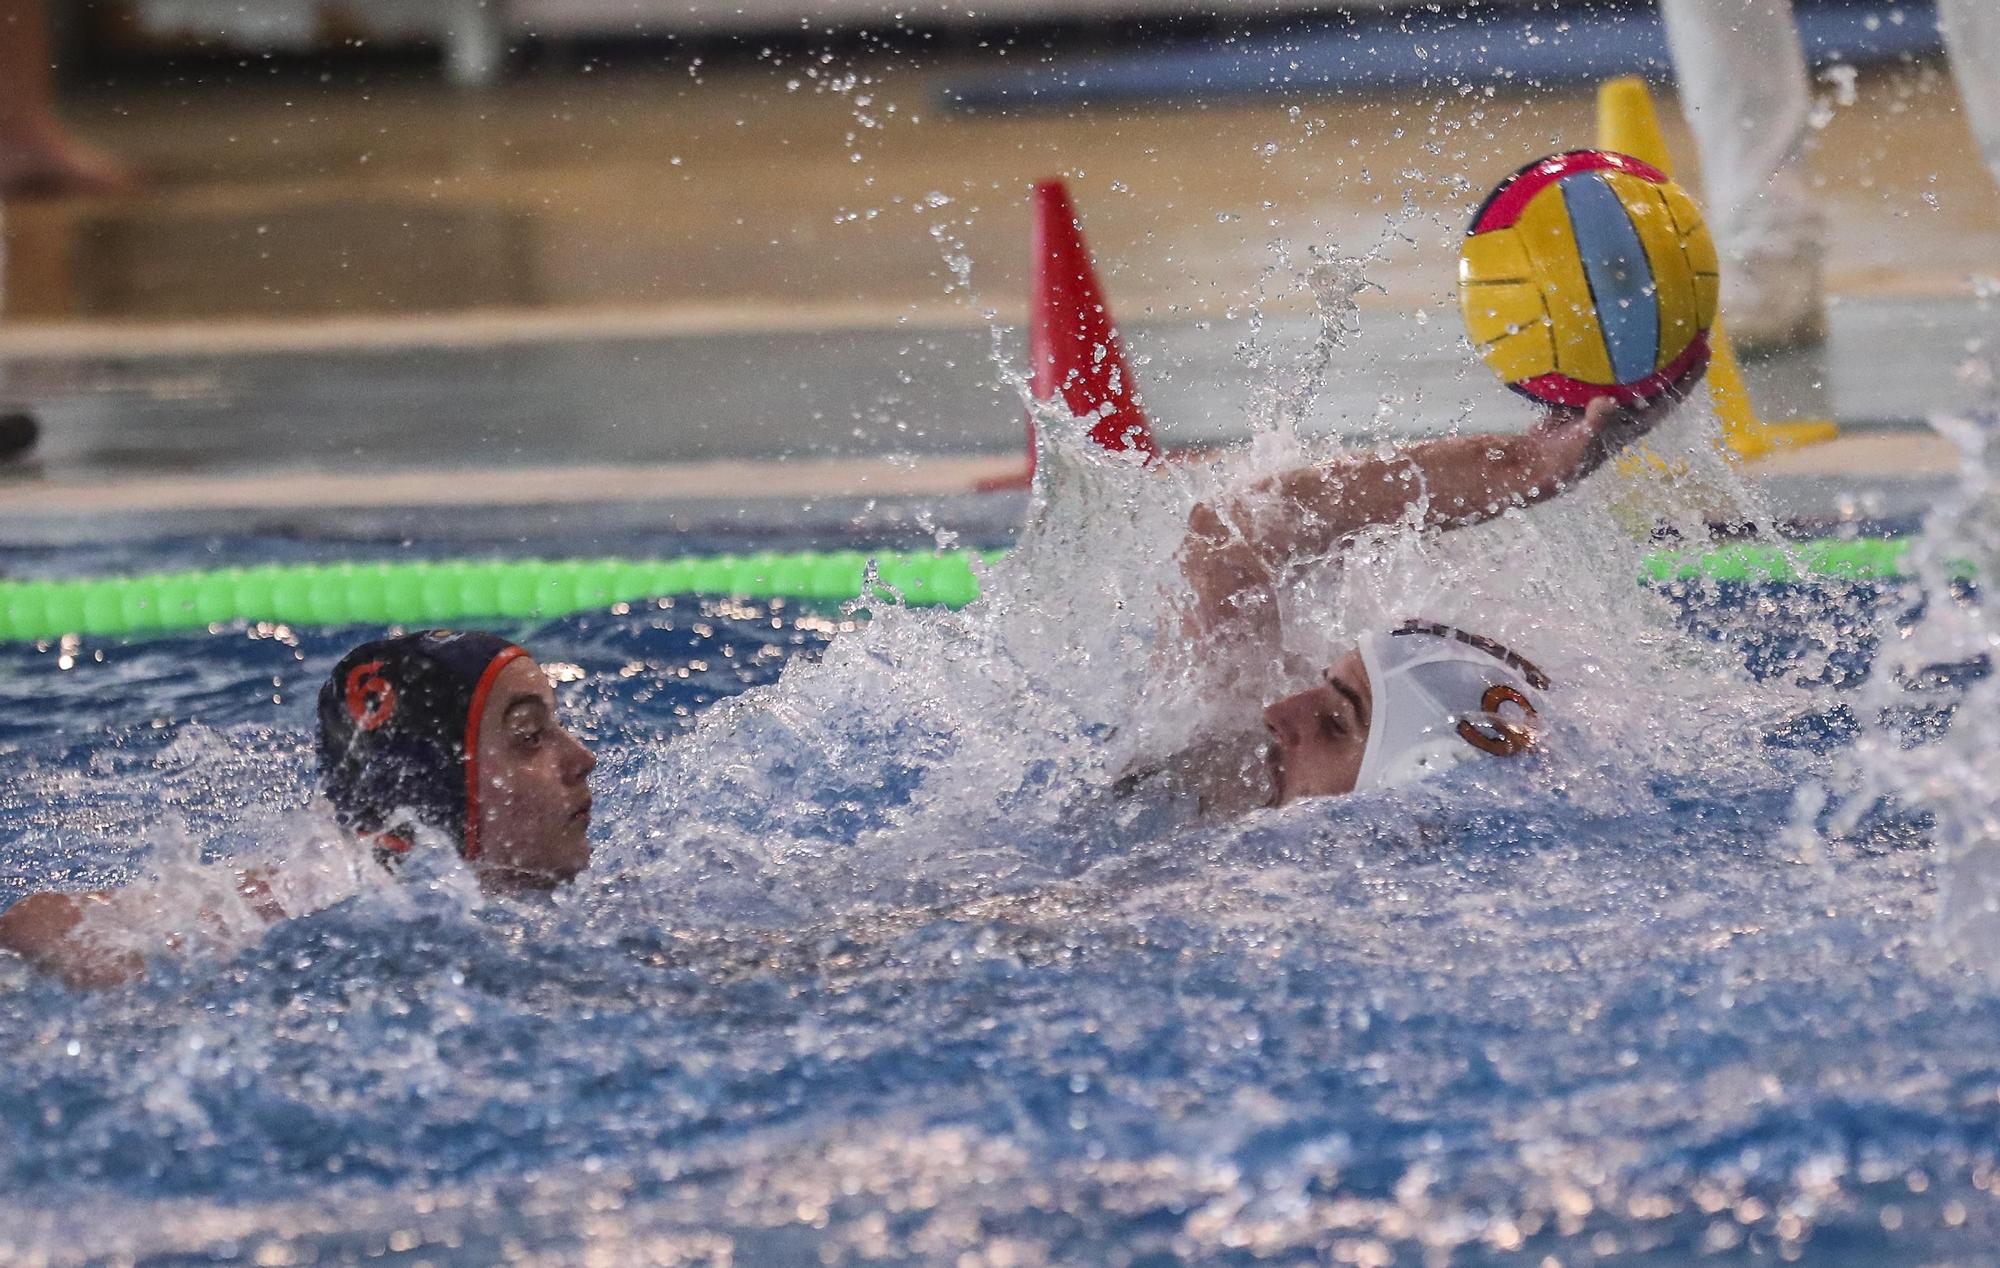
(411, 593)
(445, 591)
(1864, 559)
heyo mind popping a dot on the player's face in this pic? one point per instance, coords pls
(533, 785)
(1318, 735)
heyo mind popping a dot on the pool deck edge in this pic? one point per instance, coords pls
(1874, 459)
(712, 481)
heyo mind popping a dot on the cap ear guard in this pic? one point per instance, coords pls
(1442, 696)
(1493, 731)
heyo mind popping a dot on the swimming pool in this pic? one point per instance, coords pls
(868, 969)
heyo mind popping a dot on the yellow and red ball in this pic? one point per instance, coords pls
(1590, 274)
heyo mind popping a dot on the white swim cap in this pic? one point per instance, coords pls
(1442, 695)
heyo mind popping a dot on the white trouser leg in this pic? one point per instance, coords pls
(1743, 87)
(1972, 32)
(475, 42)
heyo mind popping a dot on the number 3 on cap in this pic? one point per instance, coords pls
(1495, 734)
(371, 700)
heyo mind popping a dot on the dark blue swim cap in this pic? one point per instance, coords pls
(398, 736)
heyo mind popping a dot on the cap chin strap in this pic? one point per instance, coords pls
(1441, 697)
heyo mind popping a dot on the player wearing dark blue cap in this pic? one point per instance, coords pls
(455, 734)
(433, 736)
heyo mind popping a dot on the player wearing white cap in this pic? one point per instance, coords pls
(1412, 699)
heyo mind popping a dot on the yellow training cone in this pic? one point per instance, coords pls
(1627, 124)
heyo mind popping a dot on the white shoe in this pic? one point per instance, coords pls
(1775, 302)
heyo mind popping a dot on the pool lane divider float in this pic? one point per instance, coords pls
(454, 591)
(451, 591)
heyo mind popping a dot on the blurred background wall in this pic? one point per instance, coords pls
(476, 34)
(763, 224)
(308, 158)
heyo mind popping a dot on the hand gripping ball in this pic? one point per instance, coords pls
(1590, 274)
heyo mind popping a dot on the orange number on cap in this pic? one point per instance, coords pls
(371, 700)
(1495, 734)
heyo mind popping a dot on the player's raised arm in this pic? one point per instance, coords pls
(1238, 546)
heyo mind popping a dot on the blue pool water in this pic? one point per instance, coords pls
(869, 970)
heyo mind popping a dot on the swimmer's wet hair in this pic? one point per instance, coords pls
(398, 736)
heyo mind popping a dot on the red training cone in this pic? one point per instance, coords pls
(1072, 344)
